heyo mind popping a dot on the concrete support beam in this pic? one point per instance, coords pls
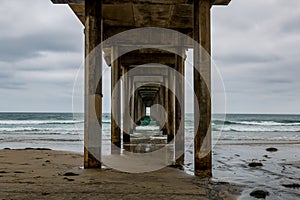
(143, 111)
(202, 84)
(150, 70)
(166, 103)
(154, 111)
(161, 101)
(126, 107)
(139, 106)
(150, 79)
(115, 102)
(141, 59)
(93, 85)
(135, 108)
(131, 103)
(179, 109)
(171, 107)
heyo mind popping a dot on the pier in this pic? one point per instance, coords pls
(152, 75)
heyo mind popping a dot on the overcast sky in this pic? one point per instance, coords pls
(256, 46)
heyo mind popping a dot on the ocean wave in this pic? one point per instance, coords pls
(295, 140)
(36, 130)
(257, 129)
(43, 139)
(257, 123)
(38, 122)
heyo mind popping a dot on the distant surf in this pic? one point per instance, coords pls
(64, 131)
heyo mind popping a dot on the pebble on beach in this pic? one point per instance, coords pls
(259, 194)
(255, 164)
(272, 149)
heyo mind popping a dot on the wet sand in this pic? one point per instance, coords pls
(272, 167)
(238, 171)
(49, 174)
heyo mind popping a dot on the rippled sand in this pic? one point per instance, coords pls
(46, 174)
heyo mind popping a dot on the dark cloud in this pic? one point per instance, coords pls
(255, 45)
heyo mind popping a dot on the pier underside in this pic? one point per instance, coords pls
(156, 83)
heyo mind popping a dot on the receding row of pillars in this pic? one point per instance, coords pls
(93, 91)
(170, 95)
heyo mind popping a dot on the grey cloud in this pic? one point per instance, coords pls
(31, 27)
(239, 58)
(255, 45)
(24, 47)
(9, 83)
(278, 81)
(12, 86)
(291, 26)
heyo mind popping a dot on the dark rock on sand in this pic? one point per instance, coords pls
(19, 172)
(292, 185)
(70, 174)
(7, 148)
(43, 149)
(255, 164)
(266, 156)
(259, 194)
(69, 179)
(272, 149)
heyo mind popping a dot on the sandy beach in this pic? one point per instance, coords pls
(48, 174)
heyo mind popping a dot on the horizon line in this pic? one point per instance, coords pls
(70, 112)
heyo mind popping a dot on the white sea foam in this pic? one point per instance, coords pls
(247, 128)
(36, 122)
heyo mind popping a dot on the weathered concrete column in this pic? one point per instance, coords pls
(131, 103)
(202, 84)
(115, 101)
(126, 107)
(153, 110)
(140, 108)
(179, 109)
(161, 112)
(135, 107)
(171, 107)
(166, 128)
(93, 85)
(143, 110)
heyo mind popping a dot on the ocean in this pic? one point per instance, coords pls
(64, 131)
